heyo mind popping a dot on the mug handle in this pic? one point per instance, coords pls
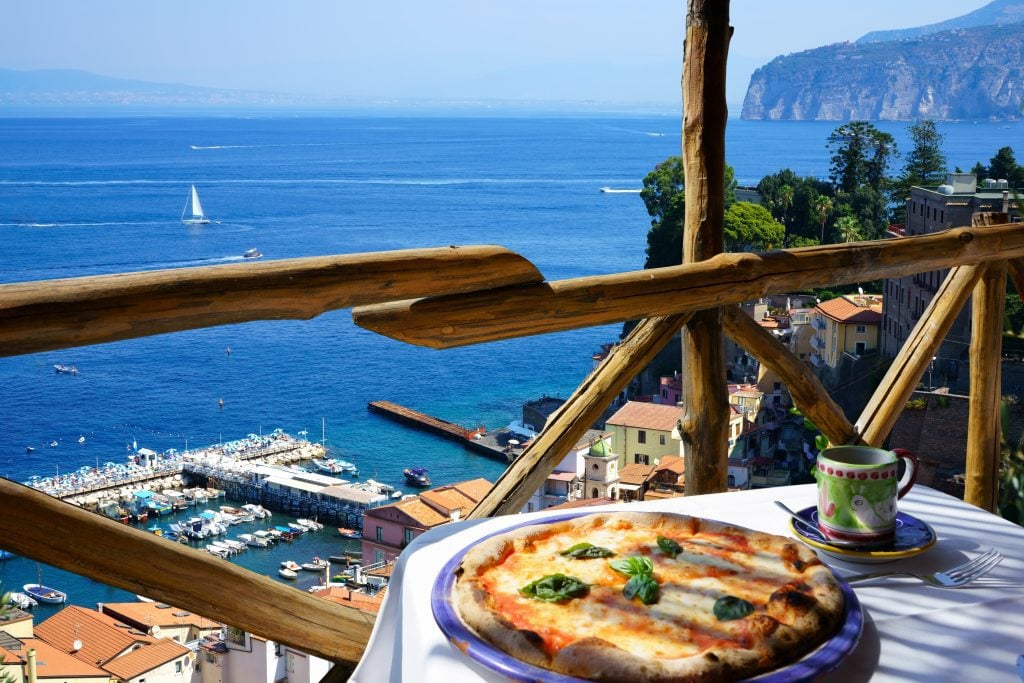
(909, 475)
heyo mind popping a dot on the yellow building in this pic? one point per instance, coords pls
(642, 432)
(849, 325)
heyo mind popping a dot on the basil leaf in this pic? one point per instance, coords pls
(586, 551)
(642, 586)
(633, 565)
(555, 588)
(669, 547)
(729, 607)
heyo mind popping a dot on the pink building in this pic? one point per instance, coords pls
(671, 390)
(389, 528)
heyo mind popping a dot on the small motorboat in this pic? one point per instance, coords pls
(252, 253)
(317, 565)
(349, 533)
(309, 524)
(291, 564)
(22, 601)
(65, 369)
(42, 593)
(417, 476)
(286, 573)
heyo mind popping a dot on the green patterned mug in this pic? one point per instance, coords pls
(858, 487)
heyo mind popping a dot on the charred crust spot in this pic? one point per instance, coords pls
(795, 597)
(459, 571)
(799, 565)
(532, 637)
(711, 656)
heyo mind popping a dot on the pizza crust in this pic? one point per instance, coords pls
(803, 608)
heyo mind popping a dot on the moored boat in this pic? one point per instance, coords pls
(316, 565)
(286, 573)
(22, 601)
(291, 564)
(42, 593)
(417, 476)
(349, 533)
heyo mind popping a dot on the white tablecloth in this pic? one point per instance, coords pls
(911, 632)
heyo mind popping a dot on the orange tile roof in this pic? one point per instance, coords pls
(54, 663)
(145, 614)
(350, 598)
(146, 658)
(421, 513)
(102, 636)
(462, 496)
(562, 476)
(647, 416)
(672, 463)
(635, 473)
(8, 657)
(844, 310)
(435, 506)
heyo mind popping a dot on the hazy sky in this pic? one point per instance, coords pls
(607, 50)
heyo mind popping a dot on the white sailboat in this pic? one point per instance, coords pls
(193, 214)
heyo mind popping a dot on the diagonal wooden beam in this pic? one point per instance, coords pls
(568, 425)
(808, 393)
(54, 314)
(517, 311)
(101, 549)
(910, 364)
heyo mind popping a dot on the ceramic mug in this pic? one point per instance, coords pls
(858, 490)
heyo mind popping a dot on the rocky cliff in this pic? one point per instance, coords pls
(995, 13)
(964, 74)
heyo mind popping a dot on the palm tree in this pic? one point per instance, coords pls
(785, 200)
(849, 229)
(823, 208)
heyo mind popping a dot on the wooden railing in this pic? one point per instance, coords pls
(455, 296)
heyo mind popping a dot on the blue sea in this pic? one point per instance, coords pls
(89, 196)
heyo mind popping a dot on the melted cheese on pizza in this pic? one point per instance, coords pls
(681, 623)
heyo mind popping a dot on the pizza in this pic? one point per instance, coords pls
(642, 596)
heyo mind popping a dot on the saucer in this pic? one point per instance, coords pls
(913, 537)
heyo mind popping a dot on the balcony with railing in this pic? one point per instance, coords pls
(450, 297)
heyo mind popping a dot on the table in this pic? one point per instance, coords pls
(912, 632)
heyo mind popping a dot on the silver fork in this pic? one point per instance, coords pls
(955, 577)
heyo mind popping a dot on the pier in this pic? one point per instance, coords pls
(89, 486)
(473, 439)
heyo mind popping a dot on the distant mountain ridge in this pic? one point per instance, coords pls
(997, 13)
(972, 73)
(73, 87)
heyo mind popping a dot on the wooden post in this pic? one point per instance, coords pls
(808, 393)
(527, 474)
(983, 447)
(705, 424)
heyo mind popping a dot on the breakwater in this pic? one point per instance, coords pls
(477, 440)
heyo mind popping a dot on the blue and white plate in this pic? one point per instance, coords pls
(913, 537)
(824, 658)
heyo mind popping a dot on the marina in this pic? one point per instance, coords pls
(259, 470)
